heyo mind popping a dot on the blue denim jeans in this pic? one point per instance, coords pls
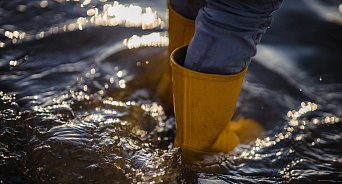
(227, 32)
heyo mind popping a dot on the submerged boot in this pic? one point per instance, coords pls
(204, 105)
(181, 30)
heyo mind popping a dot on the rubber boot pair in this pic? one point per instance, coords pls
(203, 103)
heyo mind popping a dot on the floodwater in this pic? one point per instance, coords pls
(78, 101)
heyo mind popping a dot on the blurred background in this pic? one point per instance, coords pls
(78, 99)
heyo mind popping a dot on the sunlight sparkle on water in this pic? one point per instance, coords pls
(122, 83)
(13, 63)
(305, 107)
(155, 111)
(129, 16)
(153, 39)
(85, 2)
(44, 4)
(14, 36)
(113, 14)
(294, 124)
(111, 101)
(119, 74)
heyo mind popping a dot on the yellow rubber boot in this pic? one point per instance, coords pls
(204, 105)
(247, 130)
(181, 30)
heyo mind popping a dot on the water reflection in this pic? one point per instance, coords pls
(294, 124)
(114, 14)
(129, 16)
(153, 39)
(330, 11)
(44, 4)
(79, 119)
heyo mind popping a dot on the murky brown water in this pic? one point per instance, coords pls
(78, 101)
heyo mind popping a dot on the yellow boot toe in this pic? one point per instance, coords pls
(247, 130)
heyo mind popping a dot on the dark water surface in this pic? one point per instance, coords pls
(78, 101)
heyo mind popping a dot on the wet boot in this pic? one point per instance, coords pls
(204, 105)
(181, 31)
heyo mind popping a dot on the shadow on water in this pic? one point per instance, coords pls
(78, 101)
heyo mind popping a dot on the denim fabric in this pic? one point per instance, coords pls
(227, 32)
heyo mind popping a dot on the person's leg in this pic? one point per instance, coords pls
(227, 32)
